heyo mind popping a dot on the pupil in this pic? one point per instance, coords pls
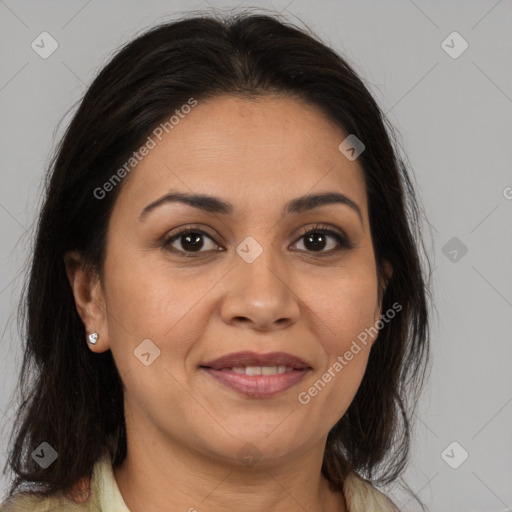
(193, 240)
(315, 238)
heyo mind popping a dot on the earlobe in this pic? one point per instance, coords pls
(86, 288)
(388, 270)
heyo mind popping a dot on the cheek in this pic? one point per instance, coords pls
(344, 317)
(332, 389)
(146, 296)
(336, 388)
(346, 304)
(169, 309)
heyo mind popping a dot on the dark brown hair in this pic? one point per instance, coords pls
(71, 397)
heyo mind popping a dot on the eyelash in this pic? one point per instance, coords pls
(343, 242)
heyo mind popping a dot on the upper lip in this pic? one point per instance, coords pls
(247, 358)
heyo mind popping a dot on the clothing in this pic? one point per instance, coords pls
(105, 496)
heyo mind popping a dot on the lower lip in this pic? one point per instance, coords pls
(258, 386)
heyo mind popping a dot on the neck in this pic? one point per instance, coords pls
(153, 479)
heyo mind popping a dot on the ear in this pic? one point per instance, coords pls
(383, 284)
(89, 299)
(388, 272)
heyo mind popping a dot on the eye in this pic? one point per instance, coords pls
(316, 239)
(189, 240)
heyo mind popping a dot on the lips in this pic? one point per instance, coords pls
(252, 359)
(257, 375)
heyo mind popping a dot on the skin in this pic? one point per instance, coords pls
(186, 431)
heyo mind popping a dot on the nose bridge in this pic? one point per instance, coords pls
(259, 291)
(258, 267)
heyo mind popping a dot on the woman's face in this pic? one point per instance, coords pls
(244, 279)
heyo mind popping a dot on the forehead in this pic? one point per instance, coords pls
(249, 151)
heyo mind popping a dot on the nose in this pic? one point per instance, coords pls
(260, 295)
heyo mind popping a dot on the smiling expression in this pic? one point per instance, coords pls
(244, 230)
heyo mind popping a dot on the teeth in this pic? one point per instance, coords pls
(261, 370)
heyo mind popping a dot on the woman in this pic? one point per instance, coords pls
(226, 305)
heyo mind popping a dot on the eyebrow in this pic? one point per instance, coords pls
(212, 204)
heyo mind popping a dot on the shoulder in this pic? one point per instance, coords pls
(361, 495)
(78, 500)
(96, 493)
(31, 502)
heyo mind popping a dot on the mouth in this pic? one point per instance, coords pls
(259, 370)
(258, 375)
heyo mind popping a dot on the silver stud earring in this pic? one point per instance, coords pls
(93, 338)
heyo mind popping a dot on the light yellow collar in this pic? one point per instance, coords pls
(360, 495)
(108, 491)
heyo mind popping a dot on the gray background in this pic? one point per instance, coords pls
(454, 116)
